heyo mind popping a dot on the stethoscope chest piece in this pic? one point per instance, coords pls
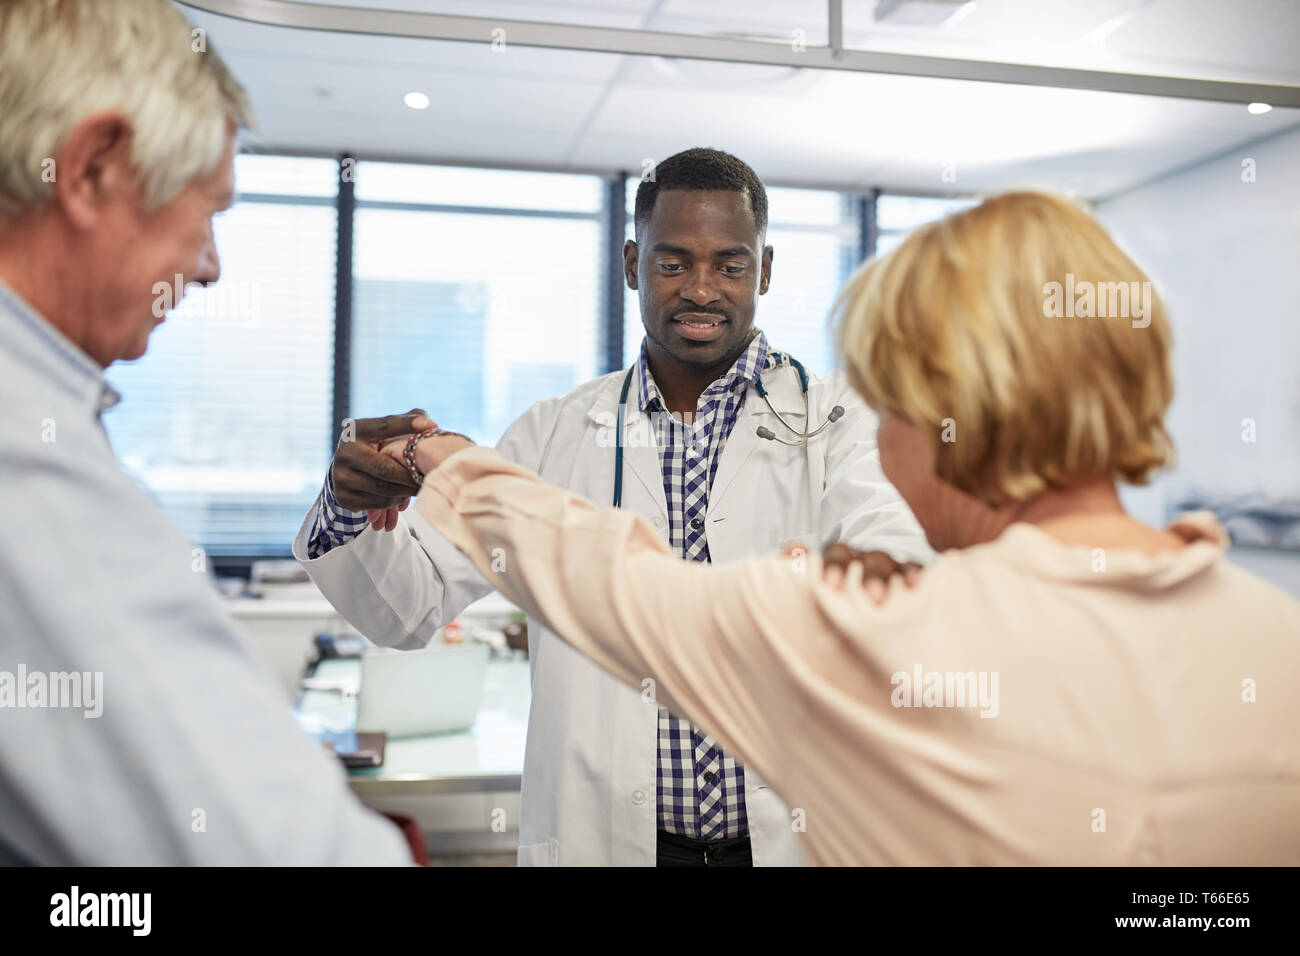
(776, 360)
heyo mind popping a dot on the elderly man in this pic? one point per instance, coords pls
(134, 727)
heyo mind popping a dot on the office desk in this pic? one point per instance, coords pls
(280, 632)
(489, 757)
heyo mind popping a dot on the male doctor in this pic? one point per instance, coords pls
(610, 778)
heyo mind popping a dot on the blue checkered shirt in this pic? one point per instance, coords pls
(701, 788)
(333, 525)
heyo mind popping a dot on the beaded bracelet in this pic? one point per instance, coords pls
(408, 454)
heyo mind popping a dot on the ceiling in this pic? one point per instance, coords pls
(328, 93)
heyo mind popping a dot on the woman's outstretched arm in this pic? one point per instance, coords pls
(724, 646)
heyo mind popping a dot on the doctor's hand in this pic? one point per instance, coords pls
(365, 479)
(877, 569)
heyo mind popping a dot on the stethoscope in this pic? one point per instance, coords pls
(774, 360)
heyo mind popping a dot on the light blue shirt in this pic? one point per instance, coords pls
(171, 745)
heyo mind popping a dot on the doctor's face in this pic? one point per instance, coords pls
(698, 267)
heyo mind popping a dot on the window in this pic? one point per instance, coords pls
(814, 236)
(226, 419)
(476, 292)
(896, 216)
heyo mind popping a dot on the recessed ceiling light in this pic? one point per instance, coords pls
(1258, 108)
(416, 101)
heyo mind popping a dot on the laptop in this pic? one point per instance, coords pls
(434, 691)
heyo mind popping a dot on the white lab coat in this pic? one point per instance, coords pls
(589, 793)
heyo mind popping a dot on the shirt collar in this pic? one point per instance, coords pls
(745, 370)
(1037, 553)
(30, 338)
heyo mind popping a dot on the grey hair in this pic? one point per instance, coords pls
(64, 60)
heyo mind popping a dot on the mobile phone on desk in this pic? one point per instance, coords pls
(356, 749)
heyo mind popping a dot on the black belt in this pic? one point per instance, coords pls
(674, 850)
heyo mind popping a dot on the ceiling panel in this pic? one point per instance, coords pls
(553, 108)
(326, 92)
(1244, 40)
(1256, 40)
(904, 132)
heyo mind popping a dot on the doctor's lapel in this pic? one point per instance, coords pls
(640, 451)
(787, 398)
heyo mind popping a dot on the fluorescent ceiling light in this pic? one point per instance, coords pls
(922, 13)
(1258, 108)
(962, 13)
(416, 101)
(1099, 34)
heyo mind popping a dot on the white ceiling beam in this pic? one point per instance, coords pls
(434, 26)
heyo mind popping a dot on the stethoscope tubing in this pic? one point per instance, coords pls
(801, 437)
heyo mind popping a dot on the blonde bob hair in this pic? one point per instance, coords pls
(1021, 339)
(63, 60)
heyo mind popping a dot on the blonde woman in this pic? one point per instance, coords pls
(1064, 684)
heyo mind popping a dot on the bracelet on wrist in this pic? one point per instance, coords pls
(408, 454)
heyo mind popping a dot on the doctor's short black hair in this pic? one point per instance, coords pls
(700, 169)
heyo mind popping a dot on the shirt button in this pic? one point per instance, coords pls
(658, 522)
(697, 524)
(709, 776)
(638, 797)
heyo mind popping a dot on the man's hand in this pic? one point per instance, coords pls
(367, 480)
(877, 568)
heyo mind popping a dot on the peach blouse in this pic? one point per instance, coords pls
(1025, 703)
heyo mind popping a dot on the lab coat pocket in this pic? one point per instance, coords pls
(540, 854)
(773, 828)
